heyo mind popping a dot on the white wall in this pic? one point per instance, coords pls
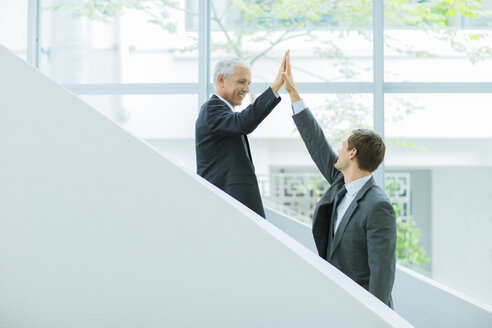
(98, 229)
(462, 230)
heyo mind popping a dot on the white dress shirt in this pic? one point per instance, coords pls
(352, 189)
(228, 104)
(298, 106)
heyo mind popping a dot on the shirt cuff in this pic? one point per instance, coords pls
(298, 106)
(276, 94)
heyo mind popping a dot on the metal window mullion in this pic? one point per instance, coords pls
(133, 88)
(187, 88)
(304, 87)
(322, 87)
(203, 51)
(378, 67)
(33, 32)
(438, 87)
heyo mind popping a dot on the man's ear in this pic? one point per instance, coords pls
(221, 80)
(353, 153)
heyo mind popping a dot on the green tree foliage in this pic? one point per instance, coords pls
(408, 249)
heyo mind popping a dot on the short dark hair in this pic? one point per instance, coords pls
(370, 148)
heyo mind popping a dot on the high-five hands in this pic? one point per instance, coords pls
(284, 77)
(289, 80)
(279, 80)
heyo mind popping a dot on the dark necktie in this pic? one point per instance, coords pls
(340, 194)
(338, 198)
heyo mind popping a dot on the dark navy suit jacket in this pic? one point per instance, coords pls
(222, 150)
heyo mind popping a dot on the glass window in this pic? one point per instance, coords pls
(328, 41)
(13, 26)
(429, 41)
(117, 44)
(338, 114)
(444, 142)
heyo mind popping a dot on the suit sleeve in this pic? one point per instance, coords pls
(381, 247)
(222, 121)
(320, 150)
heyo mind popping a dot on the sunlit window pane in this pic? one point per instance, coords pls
(329, 41)
(82, 44)
(430, 41)
(13, 26)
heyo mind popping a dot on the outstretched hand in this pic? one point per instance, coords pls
(279, 79)
(289, 80)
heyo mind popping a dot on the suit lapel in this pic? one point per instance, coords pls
(348, 215)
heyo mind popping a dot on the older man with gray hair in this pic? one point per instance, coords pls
(223, 156)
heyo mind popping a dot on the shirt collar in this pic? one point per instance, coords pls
(356, 185)
(228, 104)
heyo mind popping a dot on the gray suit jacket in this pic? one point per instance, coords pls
(222, 150)
(364, 244)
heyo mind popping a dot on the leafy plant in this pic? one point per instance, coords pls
(408, 249)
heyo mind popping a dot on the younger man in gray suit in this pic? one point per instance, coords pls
(222, 149)
(354, 224)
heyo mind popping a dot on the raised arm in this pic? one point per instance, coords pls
(311, 133)
(320, 150)
(223, 121)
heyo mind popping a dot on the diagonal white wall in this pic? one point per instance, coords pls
(97, 229)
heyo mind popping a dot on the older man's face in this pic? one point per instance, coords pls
(237, 87)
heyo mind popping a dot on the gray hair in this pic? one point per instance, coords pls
(227, 66)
